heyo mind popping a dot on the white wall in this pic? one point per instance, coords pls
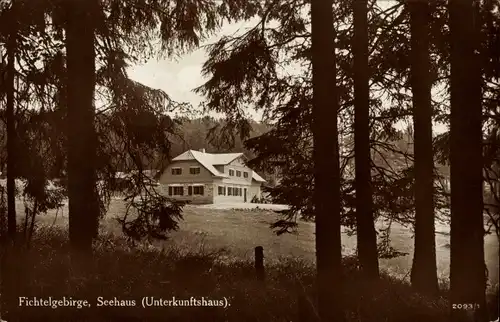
(255, 191)
(207, 197)
(252, 190)
(238, 165)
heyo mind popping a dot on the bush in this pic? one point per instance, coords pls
(261, 200)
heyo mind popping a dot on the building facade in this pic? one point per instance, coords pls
(201, 178)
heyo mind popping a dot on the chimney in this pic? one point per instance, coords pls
(202, 150)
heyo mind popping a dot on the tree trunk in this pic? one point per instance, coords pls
(424, 270)
(80, 35)
(366, 234)
(11, 128)
(8, 271)
(326, 163)
(467, 267)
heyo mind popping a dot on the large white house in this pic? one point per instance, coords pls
(201, 177)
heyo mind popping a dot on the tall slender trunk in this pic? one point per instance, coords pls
(366, 234)
(424, 270)
(8, 272)
(11, 127)
(326, 163)
(80, 35)
(467, 267)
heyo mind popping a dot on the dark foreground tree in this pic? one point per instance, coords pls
(81, 78)
(11, 127)
(8, 264)
(326, 163)
(366, 234)
(467, 267)
(424, 269)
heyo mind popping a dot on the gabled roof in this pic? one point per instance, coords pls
(210, 160)
(205, 159)
(256, 177)
(225, 158)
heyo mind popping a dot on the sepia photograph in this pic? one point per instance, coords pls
(249, 160)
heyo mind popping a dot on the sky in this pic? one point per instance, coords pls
(179, 76)
(176, 78)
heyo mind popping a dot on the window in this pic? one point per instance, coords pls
(231, 172)
(198, 190)
(176, 171)
(245, 174)
(221, 190)
(240, 193)
(234, 191)
(238, 173)
(194, 170)
(175, 190)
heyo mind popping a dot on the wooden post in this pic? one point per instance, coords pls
(259, 263)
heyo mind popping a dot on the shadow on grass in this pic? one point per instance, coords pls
(119, 272)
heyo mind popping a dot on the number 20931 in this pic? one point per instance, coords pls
(465, 306)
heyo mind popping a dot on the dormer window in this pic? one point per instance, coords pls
(176, 171)
(231, 172)
(238, 173)
(245, 175)
(194, 170)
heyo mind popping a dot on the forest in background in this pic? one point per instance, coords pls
(205, 133)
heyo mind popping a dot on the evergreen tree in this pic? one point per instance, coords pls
(424, 269)
(326, 162)
(365, 227)
(8, 262)
(80, 51)
(11, 49)
(467, 267)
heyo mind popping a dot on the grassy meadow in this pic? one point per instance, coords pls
(238, 231)
(210, 256)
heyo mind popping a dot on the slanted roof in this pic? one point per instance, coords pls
(205, 159)
(209, 160)
(256, 177)
(224, 158)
